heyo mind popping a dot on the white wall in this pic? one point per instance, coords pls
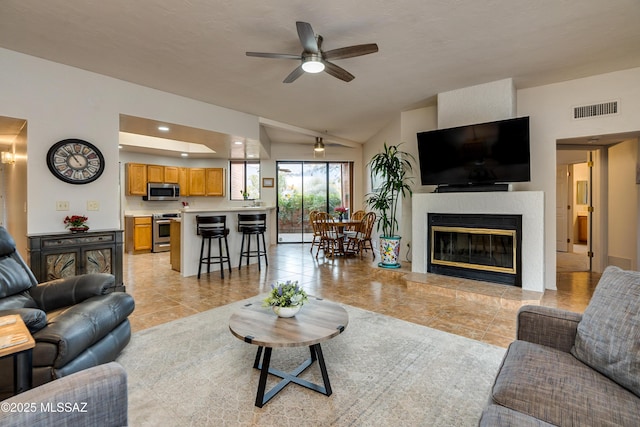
(61, 102)
(477, 104)
(623, 192)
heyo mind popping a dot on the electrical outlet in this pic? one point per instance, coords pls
(62, 206)
(93, 205)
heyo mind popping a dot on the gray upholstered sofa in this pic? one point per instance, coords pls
(94, 397)
(568, 369)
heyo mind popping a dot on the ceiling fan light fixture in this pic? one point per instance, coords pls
(313, 64)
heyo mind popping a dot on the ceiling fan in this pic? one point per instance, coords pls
(314, 59)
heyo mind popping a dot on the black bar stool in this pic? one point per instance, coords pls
(248, 225)
(213, 227)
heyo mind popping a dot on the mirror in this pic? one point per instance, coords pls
(581, 192)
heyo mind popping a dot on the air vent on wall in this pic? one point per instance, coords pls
(595, 110)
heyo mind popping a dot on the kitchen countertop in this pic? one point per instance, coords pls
(227, 209)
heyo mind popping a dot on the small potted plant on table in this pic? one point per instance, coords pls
(286, 298)
(76, 223)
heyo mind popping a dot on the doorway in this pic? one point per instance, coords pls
(304, 186)
(573, 213)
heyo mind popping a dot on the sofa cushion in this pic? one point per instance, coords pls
(557, 388)
(608, 337)
(496, 416)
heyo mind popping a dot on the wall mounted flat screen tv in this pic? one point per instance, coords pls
(479, 154)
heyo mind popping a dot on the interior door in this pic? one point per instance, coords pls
(562, 207)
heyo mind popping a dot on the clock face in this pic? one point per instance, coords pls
(75, 161)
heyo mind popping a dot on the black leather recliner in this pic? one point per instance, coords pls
(77, 322)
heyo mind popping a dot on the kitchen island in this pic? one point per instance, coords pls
(190, 242)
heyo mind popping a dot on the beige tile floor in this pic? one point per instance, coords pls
(162, 295)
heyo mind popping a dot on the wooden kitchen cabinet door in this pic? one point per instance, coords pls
(214, 182)
(136, 179)
(183, 181)
(142, 233)
(155, 173)
(196, 182)
(171, 174)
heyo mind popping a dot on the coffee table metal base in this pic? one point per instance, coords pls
(287, 378)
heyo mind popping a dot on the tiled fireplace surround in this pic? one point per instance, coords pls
(529, 204)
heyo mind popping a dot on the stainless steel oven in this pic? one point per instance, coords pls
(162, 231)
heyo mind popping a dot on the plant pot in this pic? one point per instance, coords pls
(78, 229)
(286, 311)
(389, 251)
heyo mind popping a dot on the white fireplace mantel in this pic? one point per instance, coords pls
(529, 204)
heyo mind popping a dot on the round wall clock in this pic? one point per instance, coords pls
(75, 161)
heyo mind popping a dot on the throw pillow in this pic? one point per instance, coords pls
(608, 337)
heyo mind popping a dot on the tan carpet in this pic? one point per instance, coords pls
(383, 371)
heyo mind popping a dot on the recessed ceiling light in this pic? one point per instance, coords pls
(184, 154)
(163, 128)
(238, 142)
(250, 155)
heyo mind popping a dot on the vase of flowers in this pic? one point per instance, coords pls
(76, 223)
(341, 211)
(245, 194)
(286, 298)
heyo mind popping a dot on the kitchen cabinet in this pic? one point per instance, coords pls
(196, 182)
(582, 228)
(136, 177)
(155, 173)
(214, 182)
(183, 181)
(171, 174)
(58, 255)
(138, 231)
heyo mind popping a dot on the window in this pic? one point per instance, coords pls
(245, 179)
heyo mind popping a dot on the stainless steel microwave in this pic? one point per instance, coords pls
(160, 191)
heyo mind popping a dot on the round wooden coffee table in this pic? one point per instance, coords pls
(318, 321)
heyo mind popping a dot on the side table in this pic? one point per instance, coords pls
(22, 351)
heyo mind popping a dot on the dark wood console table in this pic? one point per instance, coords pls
(57, 255)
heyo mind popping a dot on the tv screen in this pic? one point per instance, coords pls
(485, 153)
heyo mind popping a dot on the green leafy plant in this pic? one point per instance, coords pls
(392, 168)
(286, 294)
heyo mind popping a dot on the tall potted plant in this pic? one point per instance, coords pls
(391, 168)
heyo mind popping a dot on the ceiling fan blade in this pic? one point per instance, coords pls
(274, 55)
(351, 51)
(338, 72)
(297, 72)
(307, 37)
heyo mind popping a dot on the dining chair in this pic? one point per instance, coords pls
(316, 231)
(356, 216)
(357, 242)
(331, 241)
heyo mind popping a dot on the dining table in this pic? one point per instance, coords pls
(339, 226)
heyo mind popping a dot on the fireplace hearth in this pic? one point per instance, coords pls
(484, 247)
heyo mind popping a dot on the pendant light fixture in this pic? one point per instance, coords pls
(318, 147)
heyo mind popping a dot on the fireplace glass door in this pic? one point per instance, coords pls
(479, 248)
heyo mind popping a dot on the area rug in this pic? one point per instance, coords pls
(383, 371)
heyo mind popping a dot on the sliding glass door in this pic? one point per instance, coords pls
(306, 186)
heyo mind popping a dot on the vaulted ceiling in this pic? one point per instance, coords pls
(196, 48)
